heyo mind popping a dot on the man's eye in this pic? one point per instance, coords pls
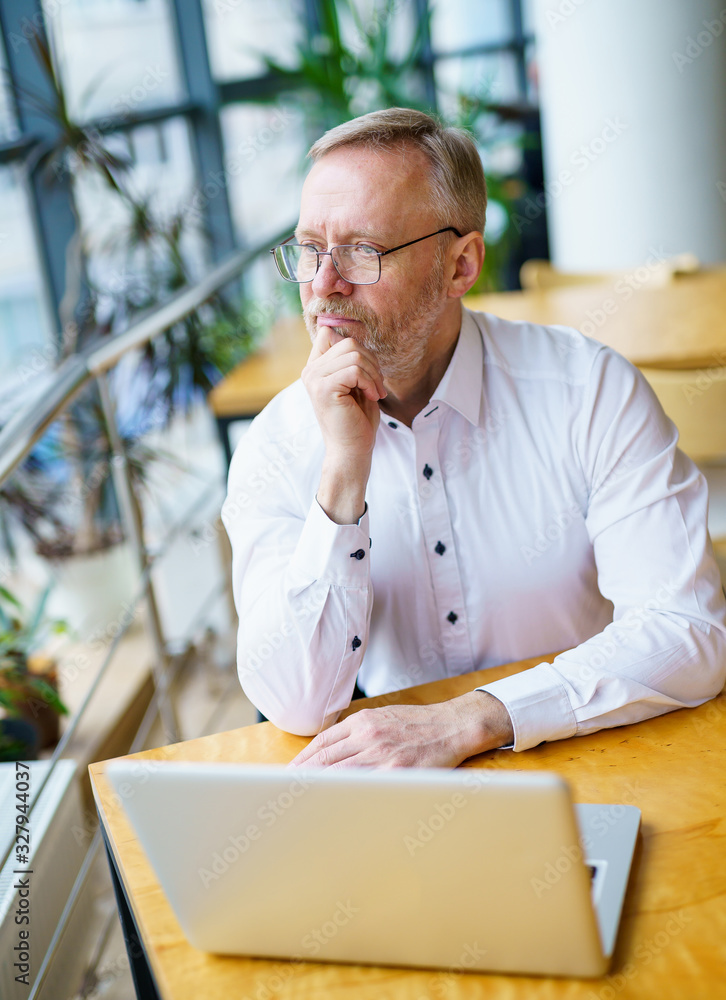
(310, 248)
(366, 251)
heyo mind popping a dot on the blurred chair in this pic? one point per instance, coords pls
(536, 275)
(695, 400)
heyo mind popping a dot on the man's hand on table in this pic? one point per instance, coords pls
(441, 735)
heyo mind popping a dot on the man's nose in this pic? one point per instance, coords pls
(327, 281)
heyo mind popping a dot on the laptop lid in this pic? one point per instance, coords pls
(414, 867)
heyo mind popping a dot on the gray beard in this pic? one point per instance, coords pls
(399, 345)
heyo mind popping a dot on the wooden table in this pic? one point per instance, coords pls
(672, 941)
(678, 325)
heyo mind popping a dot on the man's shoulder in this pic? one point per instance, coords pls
(532, 351)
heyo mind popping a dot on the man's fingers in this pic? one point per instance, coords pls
(350, 370)
(326, 337)
(320, 742)
(352, 378)
(341, 353)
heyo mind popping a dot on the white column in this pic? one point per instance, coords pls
(633, 96)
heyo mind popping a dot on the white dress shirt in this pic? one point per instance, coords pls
(538, 503)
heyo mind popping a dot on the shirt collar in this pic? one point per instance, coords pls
(460, 387)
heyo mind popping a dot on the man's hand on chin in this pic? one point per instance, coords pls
(441, 735)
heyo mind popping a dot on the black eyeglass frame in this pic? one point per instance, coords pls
(345, 246)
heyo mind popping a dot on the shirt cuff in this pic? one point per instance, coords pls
(538, 706)
(335, 554)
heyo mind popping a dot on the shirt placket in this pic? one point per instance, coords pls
(440, 548)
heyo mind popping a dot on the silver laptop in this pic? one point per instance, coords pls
(471, 869)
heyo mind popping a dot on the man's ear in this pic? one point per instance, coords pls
(466, 261)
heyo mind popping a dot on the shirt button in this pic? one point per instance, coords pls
(358, 554)
(440, 548)
(393, 424)
(428, 471)
(356, 642)
(452, 616)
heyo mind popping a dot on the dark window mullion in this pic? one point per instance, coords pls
(207, 144)
(53, 218)
(520, 42)
(427, 56)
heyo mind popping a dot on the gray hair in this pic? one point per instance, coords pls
(458, 187)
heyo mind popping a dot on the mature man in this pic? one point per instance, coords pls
(445, 491)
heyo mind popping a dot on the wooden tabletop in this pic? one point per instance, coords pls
(672, 941)
(678, 325)
(681, 324)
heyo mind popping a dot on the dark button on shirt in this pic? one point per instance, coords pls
(393, 424)
(440, 548)
(358, 554)
(356, 642)
(452, 616)
(428, 471)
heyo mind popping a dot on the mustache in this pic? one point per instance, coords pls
(339, 307)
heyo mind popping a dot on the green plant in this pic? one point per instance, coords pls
(334, 80)
(21, 635)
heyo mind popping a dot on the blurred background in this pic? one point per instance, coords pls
(151, 151)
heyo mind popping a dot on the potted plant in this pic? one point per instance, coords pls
(28, 683)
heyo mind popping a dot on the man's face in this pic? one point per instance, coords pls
(354, 196)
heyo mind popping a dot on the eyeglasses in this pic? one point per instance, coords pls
(358, 264)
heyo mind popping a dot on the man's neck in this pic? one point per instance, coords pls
(407, 397)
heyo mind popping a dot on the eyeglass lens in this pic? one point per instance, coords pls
(357, 264)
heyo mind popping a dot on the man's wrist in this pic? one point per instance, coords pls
(489, 725)
(342, 490)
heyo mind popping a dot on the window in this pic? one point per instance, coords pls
(116, 57)
(209, 129)
(25, 332)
